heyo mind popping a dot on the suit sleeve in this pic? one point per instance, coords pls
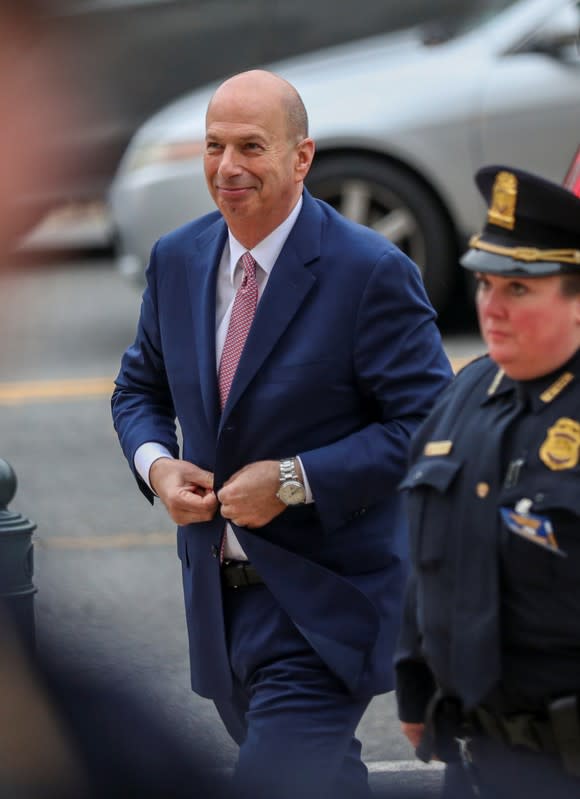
(400, 368)
(141, 404)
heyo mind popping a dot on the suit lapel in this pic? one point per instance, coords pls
(288, 285)
(208, 248)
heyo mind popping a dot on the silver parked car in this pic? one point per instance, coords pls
(401, 122)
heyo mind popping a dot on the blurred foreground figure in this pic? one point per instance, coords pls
(37, 100)
(38, 758)
(488, 665)
(65, 735)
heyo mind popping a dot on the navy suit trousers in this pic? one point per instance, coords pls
(293, 719)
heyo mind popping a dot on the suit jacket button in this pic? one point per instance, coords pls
(214, 551)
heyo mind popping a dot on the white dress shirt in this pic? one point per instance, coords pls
(228, 280)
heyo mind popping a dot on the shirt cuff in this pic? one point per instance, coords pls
(307, 490)
(145, 457)
(415, 686)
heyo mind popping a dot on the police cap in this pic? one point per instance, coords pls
(532, 227)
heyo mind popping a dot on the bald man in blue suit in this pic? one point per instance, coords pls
(292, 535)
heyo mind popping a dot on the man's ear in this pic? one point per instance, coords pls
(304, 156)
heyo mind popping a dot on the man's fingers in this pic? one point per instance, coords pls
(201, 477)
(187, 506)
(194, 498)
(170, 476)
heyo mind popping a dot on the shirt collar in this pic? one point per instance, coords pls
(266, 251)
(540, 391)
(543, 390)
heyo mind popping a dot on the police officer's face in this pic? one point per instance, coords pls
(529, 326)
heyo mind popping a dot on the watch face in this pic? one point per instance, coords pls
(292, 493)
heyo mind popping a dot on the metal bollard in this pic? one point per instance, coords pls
(16, 560)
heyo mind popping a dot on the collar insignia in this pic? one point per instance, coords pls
(495, 382)
(561, 448)
(552, 391)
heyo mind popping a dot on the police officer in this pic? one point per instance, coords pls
(488, 664)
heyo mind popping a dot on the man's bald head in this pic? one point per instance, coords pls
(260, 84)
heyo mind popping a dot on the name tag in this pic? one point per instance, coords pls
(438, 448)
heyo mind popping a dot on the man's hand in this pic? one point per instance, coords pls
(413, 732)
(249, 498)
(185, 490)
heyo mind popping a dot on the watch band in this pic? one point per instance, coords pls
(288, 470)
(292, 490)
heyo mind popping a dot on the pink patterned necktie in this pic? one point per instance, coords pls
(243, 311)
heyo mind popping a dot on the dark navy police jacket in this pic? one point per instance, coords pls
(493, 603)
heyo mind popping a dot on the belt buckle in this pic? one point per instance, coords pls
(238, 571)
(243, 575)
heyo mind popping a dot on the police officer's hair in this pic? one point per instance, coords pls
(570, 285)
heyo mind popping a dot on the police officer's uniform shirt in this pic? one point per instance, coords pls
(540, 549)
(497, 612)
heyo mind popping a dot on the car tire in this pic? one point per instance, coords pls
(391, 200)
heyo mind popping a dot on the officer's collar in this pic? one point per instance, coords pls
(538, 392)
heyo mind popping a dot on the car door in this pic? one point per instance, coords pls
(531, 102)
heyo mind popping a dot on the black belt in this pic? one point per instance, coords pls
(239, 574)
(530, 730)
(555, 731)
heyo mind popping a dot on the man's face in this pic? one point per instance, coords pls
(254, 170)
(529, 326)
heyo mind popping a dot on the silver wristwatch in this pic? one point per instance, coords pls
(291, 491)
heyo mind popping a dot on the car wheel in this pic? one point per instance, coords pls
(392, 201)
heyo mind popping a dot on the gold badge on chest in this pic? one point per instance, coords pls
(561, 448)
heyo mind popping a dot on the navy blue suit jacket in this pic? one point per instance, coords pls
(342, 362)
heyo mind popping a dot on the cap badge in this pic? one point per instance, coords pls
(561, 448)
(502, 211)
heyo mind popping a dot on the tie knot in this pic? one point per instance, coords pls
(249, 266)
